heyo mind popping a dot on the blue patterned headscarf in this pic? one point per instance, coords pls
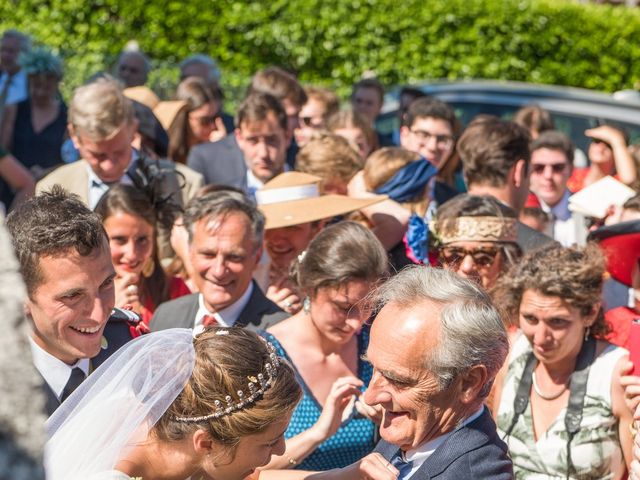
(409, 181)
(406, 185)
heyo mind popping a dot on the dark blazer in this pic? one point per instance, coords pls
(472, 452)
(529, 239)
(116, 334)
(220, 163)
(259, 314)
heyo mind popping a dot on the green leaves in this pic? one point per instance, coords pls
(333, 43)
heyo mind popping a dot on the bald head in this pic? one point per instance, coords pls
(133, 69)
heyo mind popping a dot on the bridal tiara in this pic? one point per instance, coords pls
(257, 386)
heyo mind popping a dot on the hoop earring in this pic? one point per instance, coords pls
(148, 267)
(306, 305)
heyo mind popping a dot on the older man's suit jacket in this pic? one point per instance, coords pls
(472, 452)
(220, 163)
(259, 313)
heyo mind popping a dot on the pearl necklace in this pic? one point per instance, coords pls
(542, 395)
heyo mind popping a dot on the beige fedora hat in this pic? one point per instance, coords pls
(293, 198)
(166, 112)
(143, 95)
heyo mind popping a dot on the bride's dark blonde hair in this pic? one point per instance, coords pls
(226, 361)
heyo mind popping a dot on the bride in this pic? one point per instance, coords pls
(169, 406)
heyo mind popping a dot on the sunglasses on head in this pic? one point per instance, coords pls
(454, 256)
(556, 167)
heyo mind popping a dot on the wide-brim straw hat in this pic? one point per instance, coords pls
(143, 95)
(167, 112)
(621, 245)
(293, 198)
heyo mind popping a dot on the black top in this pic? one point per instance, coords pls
(43, 148)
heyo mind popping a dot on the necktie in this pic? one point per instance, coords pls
(403, 466)
(209, 321)
(75, 379)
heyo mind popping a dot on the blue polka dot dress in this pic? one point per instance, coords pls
(353, 440)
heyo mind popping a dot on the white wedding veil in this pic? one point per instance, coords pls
(117, 405)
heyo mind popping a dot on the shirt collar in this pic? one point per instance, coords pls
(421, 453)
(228, 316)
(254, 183)
(97, 187)
(561, 209)
(54, 371)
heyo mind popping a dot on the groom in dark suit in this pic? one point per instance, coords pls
(225, 244)
(65, 262)
(436, 346)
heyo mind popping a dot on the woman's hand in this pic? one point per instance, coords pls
(342, 391)
(127, 291)
(372, 467)
(372, 412)
(219, 132)
(285, 298)
(631, 384)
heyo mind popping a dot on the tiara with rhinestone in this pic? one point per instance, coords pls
(257, 386)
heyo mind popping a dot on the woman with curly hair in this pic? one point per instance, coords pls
(560, 404)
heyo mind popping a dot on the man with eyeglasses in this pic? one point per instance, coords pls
(551, 167)
(429, 128)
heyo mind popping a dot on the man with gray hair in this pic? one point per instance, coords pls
(200, 65)
(225, 244)
(436, 346)
(13, 81)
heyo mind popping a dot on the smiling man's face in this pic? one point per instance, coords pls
(415, 408)
(70, 306)
(224, 255)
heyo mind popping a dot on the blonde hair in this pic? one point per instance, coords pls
(99, 109)
(330, 157)
(225, 363)
(383, 164)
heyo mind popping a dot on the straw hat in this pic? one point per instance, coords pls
(167, 112)
(293, 198)
(143, 95)
(621, 245)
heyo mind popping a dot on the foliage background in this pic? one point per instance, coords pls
(335, 42)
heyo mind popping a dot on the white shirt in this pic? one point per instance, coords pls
(254, 183)
(18, 88)
(54, 371)
(419, 455)
(566, 227)
(97, 188)
(226, 317)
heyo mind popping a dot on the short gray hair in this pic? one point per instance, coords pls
(221, 203)
(214, 70)
(472, 329)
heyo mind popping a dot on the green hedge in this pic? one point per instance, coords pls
(333, 42)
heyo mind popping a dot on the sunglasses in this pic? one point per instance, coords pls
(555, 167)
(207, 121)
(308, 122)
(454, 256)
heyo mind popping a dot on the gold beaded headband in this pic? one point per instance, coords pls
(476, 229)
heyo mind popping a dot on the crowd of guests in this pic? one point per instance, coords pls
(292, 294)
